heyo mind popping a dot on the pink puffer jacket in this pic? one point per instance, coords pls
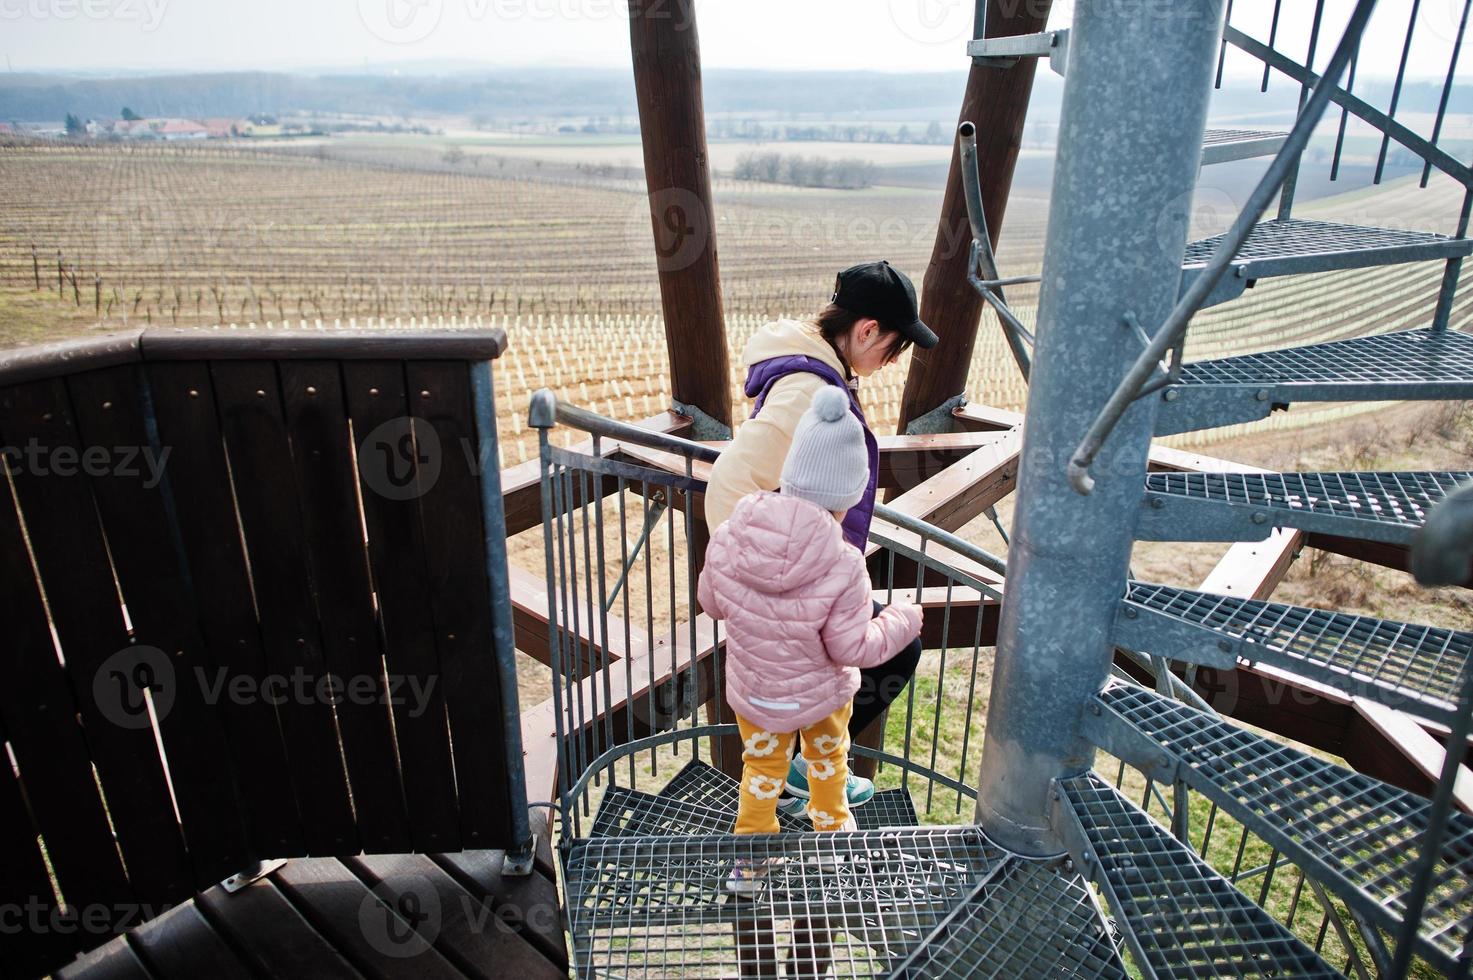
(796, 600)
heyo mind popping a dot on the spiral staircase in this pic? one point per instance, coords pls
(1063, 872)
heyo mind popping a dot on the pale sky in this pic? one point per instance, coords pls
(883, 35)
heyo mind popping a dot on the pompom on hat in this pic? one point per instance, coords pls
(827, 462)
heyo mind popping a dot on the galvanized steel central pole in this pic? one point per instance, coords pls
(1130, 138)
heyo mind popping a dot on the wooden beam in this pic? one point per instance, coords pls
(997, 101)
(672, 123)
(521, 492)
(529, 619)
(1402, 740)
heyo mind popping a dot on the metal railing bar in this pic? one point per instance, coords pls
(1273, 34)
(1291, 182)
(942, 537)
(547, 410)
(627, 557)
(1344, 118)
(690, 600)
(1438, 821)
(1358, 107)
(1447, 87)
(603, 604)
(1401, 70)
(982, 257)
(1222, 46)
(1167, 335)
(625, 564)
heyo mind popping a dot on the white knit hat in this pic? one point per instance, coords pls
(828, 462)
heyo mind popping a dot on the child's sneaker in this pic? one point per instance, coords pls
(791, 806)
(748, 875)
(857, 789)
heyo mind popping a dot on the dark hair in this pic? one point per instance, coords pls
(834, 322)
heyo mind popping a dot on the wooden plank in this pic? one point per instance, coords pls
(252, 422)
(204, 508)
(1406, 741)
(527, 904)
(39, 718)
(461, 602)
(529, 611)
(322, 460)
(143, 541)
(384, 937)
(114, 961)
(26, 896)
(36, 362)
(480, 936)
(271, 935)
(379, 409)
(71, 555)
(181, 945)
(277, 343)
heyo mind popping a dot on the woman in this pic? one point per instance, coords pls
(870, 321)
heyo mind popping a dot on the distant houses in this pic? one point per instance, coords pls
(176, 129)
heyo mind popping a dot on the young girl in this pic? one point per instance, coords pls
(796, 601)
(870, 321)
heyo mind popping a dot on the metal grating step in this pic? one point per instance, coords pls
(1029, 919)
(1296, 246)
(1417, 364)
(1181, 918)
(708, 788)
(1357, 836)
(1386, 507)
(1227, 145)
(856, 901)
(1413, 668)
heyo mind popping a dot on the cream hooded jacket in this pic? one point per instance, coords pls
(754, 460)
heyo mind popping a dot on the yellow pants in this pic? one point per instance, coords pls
(765, 757)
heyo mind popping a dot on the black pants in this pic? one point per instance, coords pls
(879, 686)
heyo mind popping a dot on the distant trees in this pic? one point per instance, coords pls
(129, 115)
(454, 156)
(74, 125)
(800, 171)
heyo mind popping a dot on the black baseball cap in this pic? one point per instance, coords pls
(876, 289)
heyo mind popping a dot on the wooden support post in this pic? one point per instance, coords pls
(672, 122)
(996, 99)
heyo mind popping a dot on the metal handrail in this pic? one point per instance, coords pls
(989, 284)
(1173, 330)
(547, 411)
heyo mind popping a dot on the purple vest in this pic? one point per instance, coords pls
(760, 379)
